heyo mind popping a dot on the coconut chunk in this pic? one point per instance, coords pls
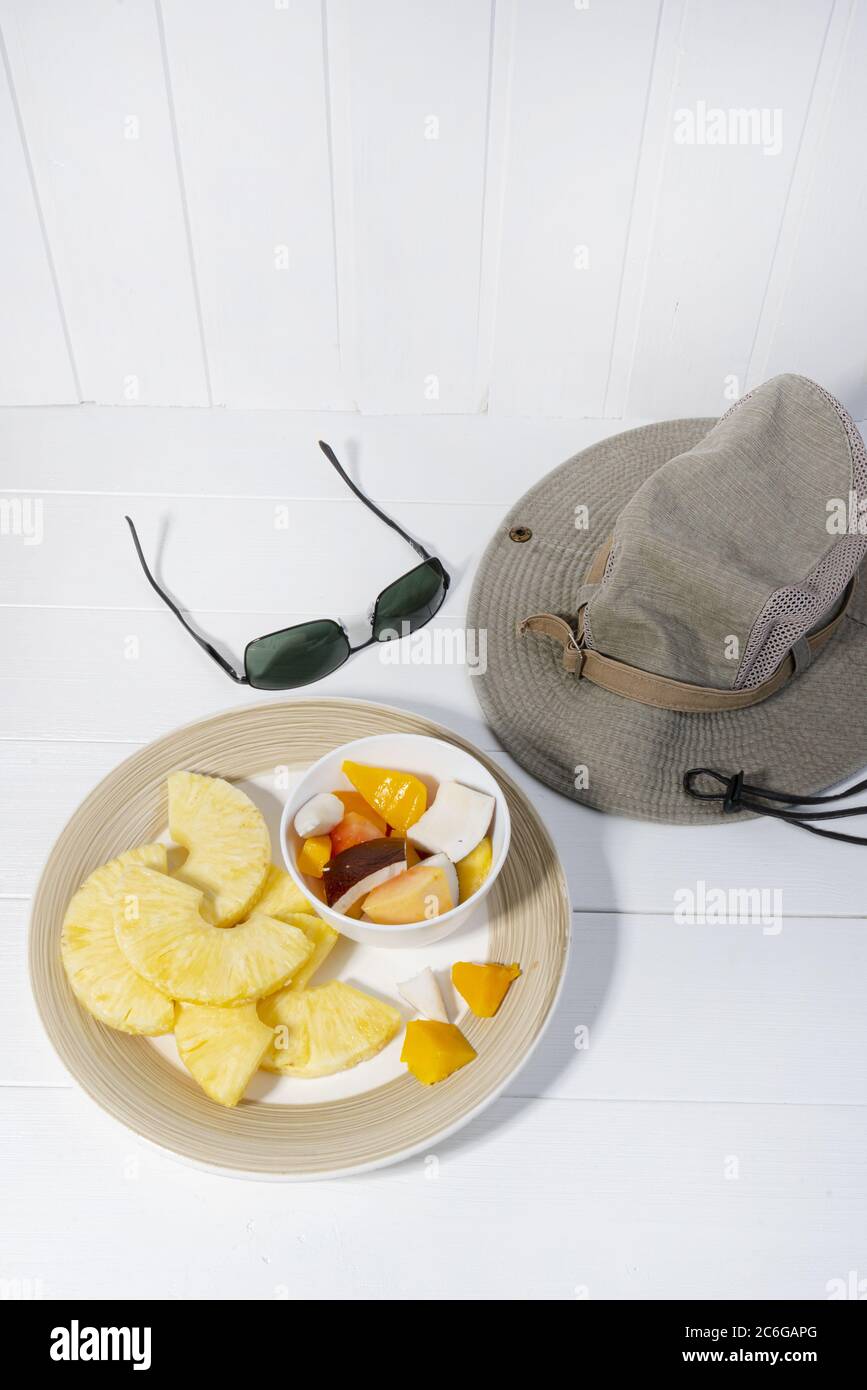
(455, 823)
(425, 996)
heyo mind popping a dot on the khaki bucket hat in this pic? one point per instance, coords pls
(684, 596)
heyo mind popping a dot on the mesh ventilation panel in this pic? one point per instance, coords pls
(794, 610)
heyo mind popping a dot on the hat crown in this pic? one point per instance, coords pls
(728, 554)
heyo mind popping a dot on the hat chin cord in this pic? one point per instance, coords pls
(738, 795)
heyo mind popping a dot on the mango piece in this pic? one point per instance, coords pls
(432, 1050)
(417, 895)
(483, 986)
(399, 797)
(354, 801)
(314, 855)
(474, 868)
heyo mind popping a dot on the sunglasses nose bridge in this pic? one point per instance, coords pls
(357, 631)
(297, 656)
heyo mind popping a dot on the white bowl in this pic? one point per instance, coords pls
(434, 761)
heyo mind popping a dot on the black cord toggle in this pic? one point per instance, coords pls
(732, 799)
(738, 795)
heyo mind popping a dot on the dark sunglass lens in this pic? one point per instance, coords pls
(296, 656)
(410, 601)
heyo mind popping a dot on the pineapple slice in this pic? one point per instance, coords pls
(281, 899)
(228, 843)
(164, 937)
(221, 1048)
(326, 1029)
(285, 1013)
(100, 975)
(323, 938)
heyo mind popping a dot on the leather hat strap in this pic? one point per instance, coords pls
(662, 692)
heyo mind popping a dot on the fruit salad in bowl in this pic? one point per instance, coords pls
(396, 838)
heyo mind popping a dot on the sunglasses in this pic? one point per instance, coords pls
(308, 651)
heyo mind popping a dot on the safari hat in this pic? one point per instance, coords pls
(683, 596)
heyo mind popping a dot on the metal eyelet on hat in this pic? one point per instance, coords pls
(520, 534)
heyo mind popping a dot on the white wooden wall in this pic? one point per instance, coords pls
(411, 206)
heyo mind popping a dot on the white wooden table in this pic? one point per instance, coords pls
(710, 1141)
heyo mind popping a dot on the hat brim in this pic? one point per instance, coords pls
(612, 753)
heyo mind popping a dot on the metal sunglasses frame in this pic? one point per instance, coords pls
(242, 679)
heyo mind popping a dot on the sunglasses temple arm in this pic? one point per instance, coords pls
(197, 637)
(338, 466)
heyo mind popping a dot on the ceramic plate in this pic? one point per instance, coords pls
(287, 1127)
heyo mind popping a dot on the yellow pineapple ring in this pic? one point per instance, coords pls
(228, 843)
(162, 933)
(101, 977)
(221, 1048)
(325, 1029)
(323, 938)
(281, 899)
(285, 1013)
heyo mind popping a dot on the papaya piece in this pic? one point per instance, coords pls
(483, 986)
(356, 828)
(416, 895)
(433, 1050)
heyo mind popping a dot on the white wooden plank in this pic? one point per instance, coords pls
(93, 97)
(731, 269)
(816, 308)
(499, 99)
(35, 364)
(708, 1013)
(50, 780)
(27, 1058)
(77, 676)
(249, 91)
(564, 1201)
(579, 82)
(408, 84)
(290, 556)
(655, 140)
(720, 205)
(273, 453)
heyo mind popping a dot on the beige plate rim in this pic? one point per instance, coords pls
(529, 910)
